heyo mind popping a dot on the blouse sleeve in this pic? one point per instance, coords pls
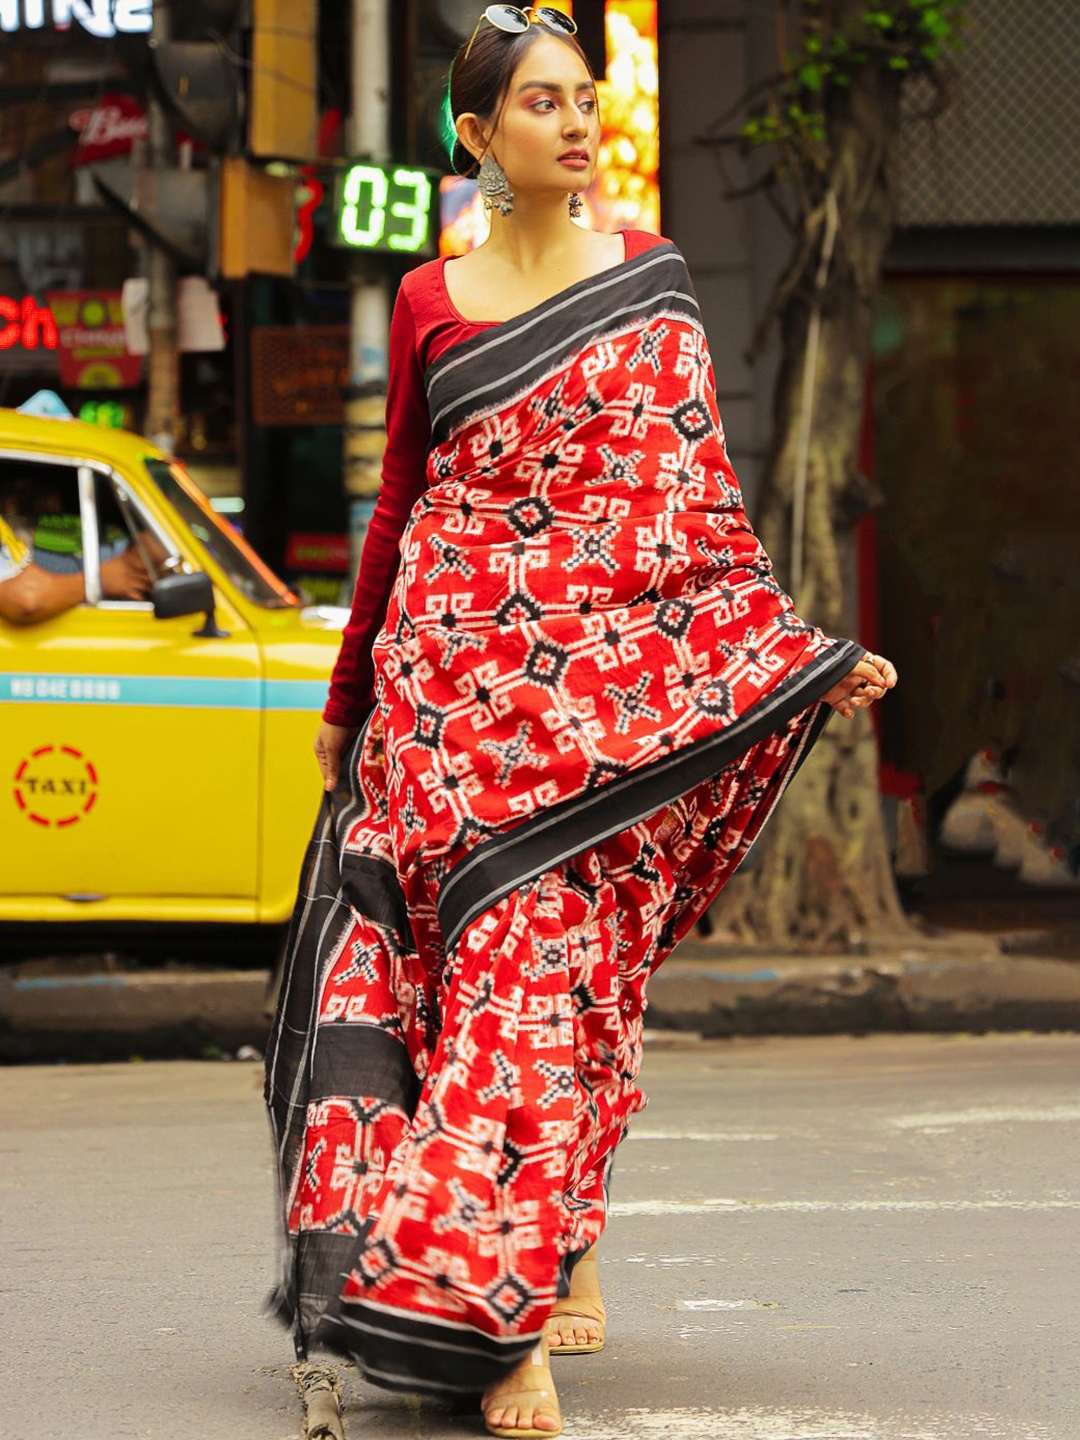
(404, 469)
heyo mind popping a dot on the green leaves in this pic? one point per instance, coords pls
(903, 36)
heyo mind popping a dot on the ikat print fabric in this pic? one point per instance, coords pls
(591, 693)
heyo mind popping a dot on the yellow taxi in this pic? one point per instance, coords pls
(156, 754)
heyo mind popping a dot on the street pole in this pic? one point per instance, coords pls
(162, 361)
(365, 399)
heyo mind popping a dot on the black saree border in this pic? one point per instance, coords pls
(498, 866)
(509, 359)
(398, 1351)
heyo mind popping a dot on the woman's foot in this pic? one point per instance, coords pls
(524, 1404)
(576, 1324)
(861, 686)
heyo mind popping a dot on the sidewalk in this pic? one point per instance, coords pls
(948, 981)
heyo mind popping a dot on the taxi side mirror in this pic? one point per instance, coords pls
(175, 595)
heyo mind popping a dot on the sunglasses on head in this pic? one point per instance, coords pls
(516, 22)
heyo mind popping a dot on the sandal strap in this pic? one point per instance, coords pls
(523, 1389)
(580, 1307)
(530, 1394)
(537, 1361)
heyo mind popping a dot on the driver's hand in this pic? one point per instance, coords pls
(124, 577)
(159, 557)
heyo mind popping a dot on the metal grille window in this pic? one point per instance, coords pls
(1007, 149)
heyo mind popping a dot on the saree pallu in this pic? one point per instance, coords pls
(591, 692)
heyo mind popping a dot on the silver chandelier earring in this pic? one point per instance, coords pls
(576, 206)
(494, 186)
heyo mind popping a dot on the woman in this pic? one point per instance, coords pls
(553, 733)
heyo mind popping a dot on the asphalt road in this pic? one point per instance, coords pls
(818, 1239)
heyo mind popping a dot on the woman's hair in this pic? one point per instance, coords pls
(480, 83)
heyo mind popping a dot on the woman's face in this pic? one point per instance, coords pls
(550, 108)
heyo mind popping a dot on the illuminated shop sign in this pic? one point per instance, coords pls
(26, 323)
(109, 414)
(109, 127)
(385, 207)
(93, 348)
(101, 18)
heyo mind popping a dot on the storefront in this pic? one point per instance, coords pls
(975, 449)
(71, 110)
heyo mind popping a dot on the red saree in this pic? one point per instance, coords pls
(591, 692)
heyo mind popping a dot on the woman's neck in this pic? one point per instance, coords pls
(539, 231)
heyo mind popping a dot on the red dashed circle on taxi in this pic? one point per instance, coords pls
(56, 785)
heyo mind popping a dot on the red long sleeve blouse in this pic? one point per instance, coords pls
(424, 324)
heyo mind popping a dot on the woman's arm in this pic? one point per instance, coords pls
(404, 469)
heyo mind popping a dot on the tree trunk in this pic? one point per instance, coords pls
(821, 876)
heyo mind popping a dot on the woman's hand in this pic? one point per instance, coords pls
(331, 743)
(869, 680)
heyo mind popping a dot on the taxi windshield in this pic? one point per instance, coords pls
(243, 567)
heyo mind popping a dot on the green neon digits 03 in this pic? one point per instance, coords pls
(385, 207)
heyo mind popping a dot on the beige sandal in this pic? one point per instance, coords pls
(530, 1388)
(584, 1306)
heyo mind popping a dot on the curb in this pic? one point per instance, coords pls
(956, 983)
(976, 989)
(117, 1015)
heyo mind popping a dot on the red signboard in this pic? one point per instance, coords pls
(107, 128)
(90, 333)
(317, 550)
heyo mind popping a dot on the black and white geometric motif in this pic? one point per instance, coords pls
(691, 420)
(593, 547)
(512, 754)
(649, 348)
(546, 663)
(530, 820)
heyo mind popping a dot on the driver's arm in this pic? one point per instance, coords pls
(35, 594)
(29, 593)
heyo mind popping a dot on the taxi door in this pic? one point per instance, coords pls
(131, 743)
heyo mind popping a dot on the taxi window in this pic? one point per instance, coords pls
(243, 567)
(124, 529)
(40, 503)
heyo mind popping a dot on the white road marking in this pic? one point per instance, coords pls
(718, 1136)
(652, 1261)
(937, 1119)
(629, 1208)
(718, 1304)
(773, 1424)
